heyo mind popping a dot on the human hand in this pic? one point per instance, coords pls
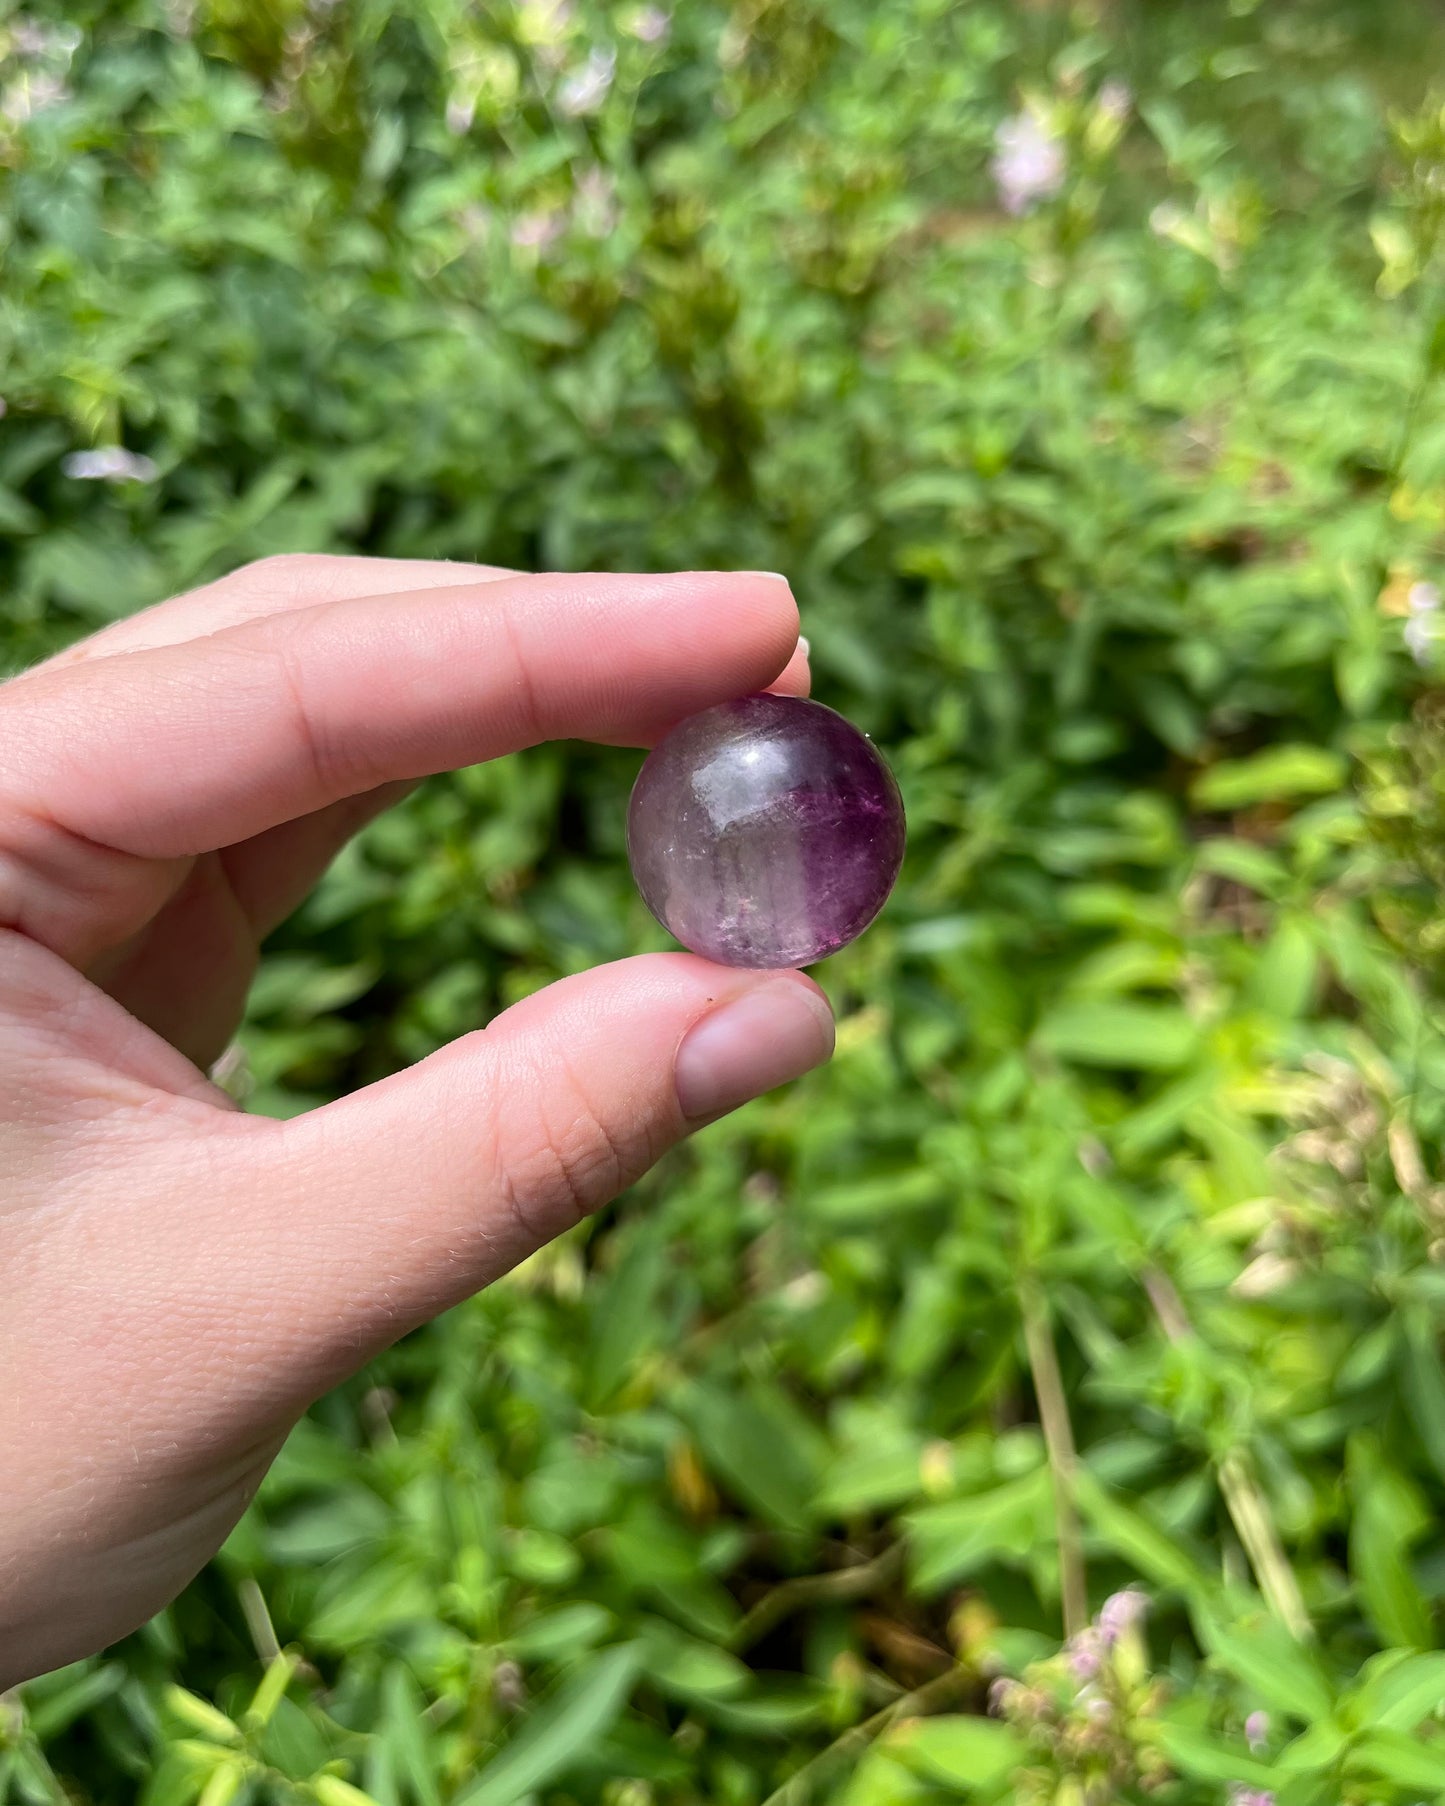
(183, 1280)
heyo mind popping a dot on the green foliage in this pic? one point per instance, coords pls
(1116, 523)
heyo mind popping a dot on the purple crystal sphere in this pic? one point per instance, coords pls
(765, 832)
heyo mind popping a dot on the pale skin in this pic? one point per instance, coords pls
(181, 1279)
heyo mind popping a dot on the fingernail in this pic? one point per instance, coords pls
(757, 1041)
(803, 645)
(777, 576)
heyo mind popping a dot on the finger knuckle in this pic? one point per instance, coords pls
(279, 661)
(561, 1163)
(306, 721)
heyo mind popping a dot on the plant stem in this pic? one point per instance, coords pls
(940, 1691)
(258, 1620)
(1247, 1507)
(812, 1589)
(1063, 1458)
(1255, 1529)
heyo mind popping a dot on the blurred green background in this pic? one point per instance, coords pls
(1080, 364)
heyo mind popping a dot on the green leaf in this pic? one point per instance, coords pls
(1389, 1516)
(407, 1732)
(1255, 867)
(50, 1708)
(1284, 980)
(550, 1636)
(688, 1668)
(331, 1790)
(1149, 1037)
(1397, 1692)
(1279, 774)
(627, 1321)
(199, 1714)
(948, 1541)
(1278, 1671)
(99, 580)
(1205, 1758)
(788, 1704)
(563, 1727)
(962, 1754)
(1393, 1756)
(766, 1450)
(358, 1602)
(653, 1557)
(1314, 1750)
(294, 1741)
(880, 1780)
(1424, 1385)
(875, 1201)
(346, 1518)
(1130, 1534)
(541, 1557)
(880, 1472)
(176, 1780)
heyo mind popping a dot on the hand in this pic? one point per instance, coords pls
(182, 1280)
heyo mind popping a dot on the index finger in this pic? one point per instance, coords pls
(176, 750)
(269, 586)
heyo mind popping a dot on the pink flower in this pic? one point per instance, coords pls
(110, 464)
(1028, 163)
(650, 25)
(1085, 1654)
(1115, 99)
(475, 221)
(1120, 1613)
(596, 208)
(1423, 601)
(30, 38)
(33, 94)
(586, 88)
(1094, 1703)
(1166, 219)
(537, 231)
(1256, 1730)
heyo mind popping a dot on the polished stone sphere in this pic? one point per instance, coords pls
(765, 832)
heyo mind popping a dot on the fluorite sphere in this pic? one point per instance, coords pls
(765, 832)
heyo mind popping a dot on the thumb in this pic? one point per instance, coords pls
(390, 1205)
(199, 1277)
